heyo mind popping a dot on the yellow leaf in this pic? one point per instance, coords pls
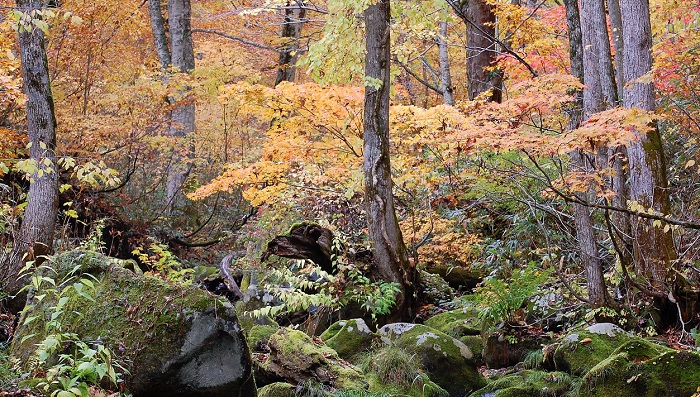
(689, 164)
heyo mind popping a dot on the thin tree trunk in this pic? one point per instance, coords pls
(654, 252)
(38, 223)
(291, 31)
(616, 23)
(159, 37)
(390, 255)
(445, 76)
(182, 118)
(585, 233)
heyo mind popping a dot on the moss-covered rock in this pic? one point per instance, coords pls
(277, 389)
(528, 384)
(349, 337)
(295, 357)
(457, 323)
(448, 362)
(259, 335)
(475, 343)
(671, 373)
(581, 350)
(173, 339)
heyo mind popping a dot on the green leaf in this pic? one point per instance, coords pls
(44, 28)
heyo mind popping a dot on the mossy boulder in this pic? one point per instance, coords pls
(581, 350)
(475, 343)
(259, 335)
(672, 373)
(448, 362)
(173, 339)
(278, 389)
(528, 383)
(349, 337)
(457, 323)
(295, 358)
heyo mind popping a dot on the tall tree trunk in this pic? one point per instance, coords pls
(482, 51)
(585, 233)
(160, 38)
(445, 76)
(618, 43)
(182, 118)
(618, 156)
(654, 252)
(38, 223)
(291, 31)
(390, 255)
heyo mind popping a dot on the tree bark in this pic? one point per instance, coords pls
(445, 75)
(38, 223)
(180, 56)
(482, 52)
(160, 39)
(390, 255)
(585, 233)
(291, 31)
(616, 24)
(654, 252)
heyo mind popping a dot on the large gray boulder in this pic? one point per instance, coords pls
(173, 339)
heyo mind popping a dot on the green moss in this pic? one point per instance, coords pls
(293, 354)
(349, 338)
(671, 373)
(528, 383)
(120, 315)
(448, 362)
(457, 323)
(475, 343)
(259, 335)
(277, 389)
(581, 350)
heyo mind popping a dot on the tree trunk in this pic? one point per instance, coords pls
(159, 37)
(37, 231)
(390, 256)
(480, 21)
(654, 252)
(182, 118)
(481, 51)
(585, 234)
(445, 76)
(291, 31)
(616, 23)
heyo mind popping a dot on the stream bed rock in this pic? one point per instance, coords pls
(173, 339)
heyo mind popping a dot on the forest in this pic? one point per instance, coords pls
(349, 198)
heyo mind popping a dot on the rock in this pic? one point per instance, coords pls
(458, 277)
(528, 383)
(295, 358)
(173, 339)
(671, 373)
(448, 362)
(476, 344)
(349, 337)
(580, 350)
(457, 323)
(259, 335)
(434, 288)
(278, 389)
